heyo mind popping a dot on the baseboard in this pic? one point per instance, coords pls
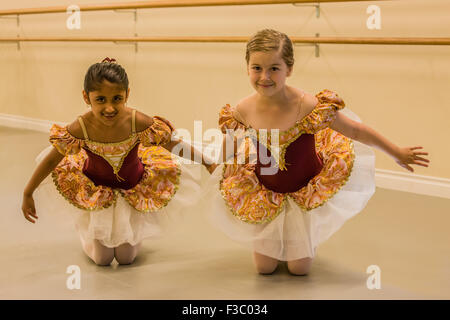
(387, 179)
(19, 122)
(414, 183)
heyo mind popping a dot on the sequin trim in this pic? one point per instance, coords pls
(165, 188)
(330, 194)
(245, 215)
(115, 168)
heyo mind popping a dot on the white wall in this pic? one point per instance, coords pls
(401, 91)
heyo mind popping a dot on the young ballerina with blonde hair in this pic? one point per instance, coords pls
(320, 173)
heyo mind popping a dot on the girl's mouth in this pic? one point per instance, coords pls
(109, 116)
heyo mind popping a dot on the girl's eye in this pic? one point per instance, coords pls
(100, 99)
(117, 98)
(275, 69)
(256, 68)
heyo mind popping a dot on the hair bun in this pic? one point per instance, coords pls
(109, 60)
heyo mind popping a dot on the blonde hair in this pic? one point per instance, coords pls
(271, 40)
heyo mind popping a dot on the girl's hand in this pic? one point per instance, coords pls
(408, 156)
(28, 209)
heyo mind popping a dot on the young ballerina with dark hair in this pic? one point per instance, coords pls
(114, 168)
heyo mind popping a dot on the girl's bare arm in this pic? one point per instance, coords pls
(40, 173)
(364, 134)
(43, 170)
(192, 153)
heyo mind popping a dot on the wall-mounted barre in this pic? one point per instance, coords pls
(165, 4)
(298, 40)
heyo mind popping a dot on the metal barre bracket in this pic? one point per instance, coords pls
(17, 18)
(134, 11)
(317, 5)
(316, 46)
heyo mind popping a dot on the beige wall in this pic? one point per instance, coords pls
(401, 91)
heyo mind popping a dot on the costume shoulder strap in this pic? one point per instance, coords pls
(83, 127)
(133, 121)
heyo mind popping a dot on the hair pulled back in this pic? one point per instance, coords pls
(108, 70)
(271, 40)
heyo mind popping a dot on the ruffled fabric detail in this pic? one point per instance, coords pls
(323, 114)
(336, 152)
(159, 133)
(155, 189)
(64, 142)
(158, 184)
(228, 121)
(78, 189)
(251, 202)
(247, 198)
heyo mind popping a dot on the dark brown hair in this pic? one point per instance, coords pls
(108, 70)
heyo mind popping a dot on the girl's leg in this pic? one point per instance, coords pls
(299, 267)
(264, 264)
(101, 255)
(126, 253)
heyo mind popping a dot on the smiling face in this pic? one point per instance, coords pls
(268, 72)
(107, 102)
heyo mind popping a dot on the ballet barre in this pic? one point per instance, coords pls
(165, 4)
(237, 39)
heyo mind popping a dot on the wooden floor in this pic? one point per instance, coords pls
(405, 235)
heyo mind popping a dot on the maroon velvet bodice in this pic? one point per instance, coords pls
(100, 171)
(302, 163)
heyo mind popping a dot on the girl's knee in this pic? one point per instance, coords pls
(299, 267)
(264, 264)
(126, 253)
(126, 258)
(100, 254)
(266, 268)
(103, 257)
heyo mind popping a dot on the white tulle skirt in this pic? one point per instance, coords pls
(295, 233)
(121, 223)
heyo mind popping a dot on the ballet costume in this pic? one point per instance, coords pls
(121, 192)
(321, 179)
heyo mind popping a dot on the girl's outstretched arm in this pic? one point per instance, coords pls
(175, 146)
(193, 154)
(364, 134)
(40, 173)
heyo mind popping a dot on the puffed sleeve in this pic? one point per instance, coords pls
(227, 119)
(63, 141)
(159, 132)
(325, 112)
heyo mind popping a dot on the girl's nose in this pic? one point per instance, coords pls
(265, 75)
(110, 109)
